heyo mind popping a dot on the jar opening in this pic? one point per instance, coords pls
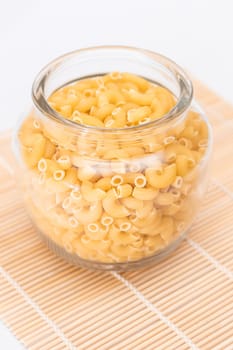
(96, 61)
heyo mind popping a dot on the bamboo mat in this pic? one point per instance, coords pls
(184, 302)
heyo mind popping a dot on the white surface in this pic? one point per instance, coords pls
(7, 340)
(197, 34)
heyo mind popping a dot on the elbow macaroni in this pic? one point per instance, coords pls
(102, 197)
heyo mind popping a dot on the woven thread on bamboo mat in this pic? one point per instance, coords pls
(184, 302)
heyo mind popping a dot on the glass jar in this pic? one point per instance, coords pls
(79, 204)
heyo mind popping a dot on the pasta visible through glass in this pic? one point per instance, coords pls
(105, 199)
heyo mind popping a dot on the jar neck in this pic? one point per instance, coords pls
(101, 60)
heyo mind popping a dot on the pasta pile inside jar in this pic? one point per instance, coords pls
(107, 197)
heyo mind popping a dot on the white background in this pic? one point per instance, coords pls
(197, 34)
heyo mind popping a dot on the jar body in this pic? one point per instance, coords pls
(113, 200)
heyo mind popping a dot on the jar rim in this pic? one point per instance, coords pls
(182, 104)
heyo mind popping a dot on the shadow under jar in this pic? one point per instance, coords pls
(113, 198)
